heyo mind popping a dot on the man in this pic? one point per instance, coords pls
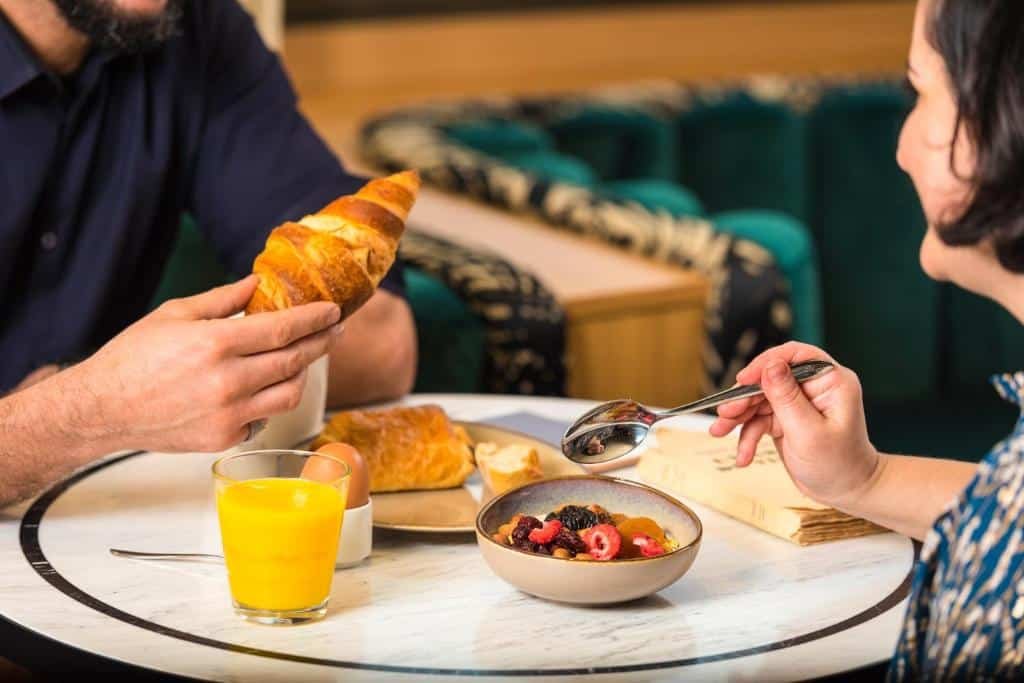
(116, 117)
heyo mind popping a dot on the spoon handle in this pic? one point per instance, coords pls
(801, 373)
(136, 555)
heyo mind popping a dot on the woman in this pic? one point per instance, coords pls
(963, 147)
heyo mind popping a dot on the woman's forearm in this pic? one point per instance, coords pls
(47, 430)
(907, 494)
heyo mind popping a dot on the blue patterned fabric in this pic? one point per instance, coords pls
(965, 616)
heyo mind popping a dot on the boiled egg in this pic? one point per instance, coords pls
(326, 469)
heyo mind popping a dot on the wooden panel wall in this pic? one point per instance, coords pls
(345, 71)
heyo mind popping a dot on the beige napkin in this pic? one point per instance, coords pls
(702, 468)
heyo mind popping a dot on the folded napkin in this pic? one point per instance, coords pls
(702, 468)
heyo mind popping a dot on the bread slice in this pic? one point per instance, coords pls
(505, 468)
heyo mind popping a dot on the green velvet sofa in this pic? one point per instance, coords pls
(806, 169)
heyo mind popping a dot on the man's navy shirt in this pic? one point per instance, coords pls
(97, 170)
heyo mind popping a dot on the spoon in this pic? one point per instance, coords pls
(613, 429)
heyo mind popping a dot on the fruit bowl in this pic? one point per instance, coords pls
(594, 582)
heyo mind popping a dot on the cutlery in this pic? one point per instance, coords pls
(136, 555)
(613, 429)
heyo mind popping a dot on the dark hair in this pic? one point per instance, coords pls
(982, 43)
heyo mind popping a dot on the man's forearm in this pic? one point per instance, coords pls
(375, 358)
(907, 494)
(45, 433)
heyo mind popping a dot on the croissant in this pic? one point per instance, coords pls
(405, 448)
(339, 254)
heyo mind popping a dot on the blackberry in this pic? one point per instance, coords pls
(602, 515)
(570, 541)
(521, 534)
(575, 517)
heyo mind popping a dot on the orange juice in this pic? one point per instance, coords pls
(280, 541)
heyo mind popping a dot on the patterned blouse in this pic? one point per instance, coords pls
(964, 619)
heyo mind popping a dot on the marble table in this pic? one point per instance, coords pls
(753, 607)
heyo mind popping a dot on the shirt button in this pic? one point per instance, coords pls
(48, 241)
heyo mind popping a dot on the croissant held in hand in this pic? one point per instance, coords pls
(339, 254)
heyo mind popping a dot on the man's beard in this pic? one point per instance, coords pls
(110, 28)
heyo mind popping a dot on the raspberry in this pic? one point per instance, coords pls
(546, 533)
(521, 534)
(648, 546)
(603, 541)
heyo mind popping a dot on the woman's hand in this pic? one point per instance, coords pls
(818, 427)
(186, 378)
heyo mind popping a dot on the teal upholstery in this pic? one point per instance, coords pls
(450, 337)
(528, 147)
(619, 143)
(868, 226)
(739, 153)
(553, 166)
(793, 248)
(501, 138)
(654, 195)
(983, 339)
(193, 266)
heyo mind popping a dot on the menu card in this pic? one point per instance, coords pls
(702, 468)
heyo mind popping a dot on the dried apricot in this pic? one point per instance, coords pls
(642, 525)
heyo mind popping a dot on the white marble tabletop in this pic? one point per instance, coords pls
(753, 607)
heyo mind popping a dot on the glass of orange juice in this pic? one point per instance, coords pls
(281, 513)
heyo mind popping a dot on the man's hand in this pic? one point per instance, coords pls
(185, 378)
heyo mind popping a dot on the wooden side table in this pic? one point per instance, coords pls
(635, 326)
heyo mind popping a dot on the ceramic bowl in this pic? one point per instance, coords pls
(588, 583)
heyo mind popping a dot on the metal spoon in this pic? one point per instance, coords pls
(136, 555)
(613, 429)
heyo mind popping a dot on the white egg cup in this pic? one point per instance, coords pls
(356, 541)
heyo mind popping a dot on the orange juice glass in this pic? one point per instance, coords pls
(280, 515)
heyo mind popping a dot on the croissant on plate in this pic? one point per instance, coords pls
(406, 448)
(339, 254)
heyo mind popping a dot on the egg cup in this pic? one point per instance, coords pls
(356, 541)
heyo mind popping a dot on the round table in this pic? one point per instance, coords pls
(753, 606)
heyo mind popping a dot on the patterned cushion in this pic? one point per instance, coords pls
(523, 325)
(655, 195)
(791, 244)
